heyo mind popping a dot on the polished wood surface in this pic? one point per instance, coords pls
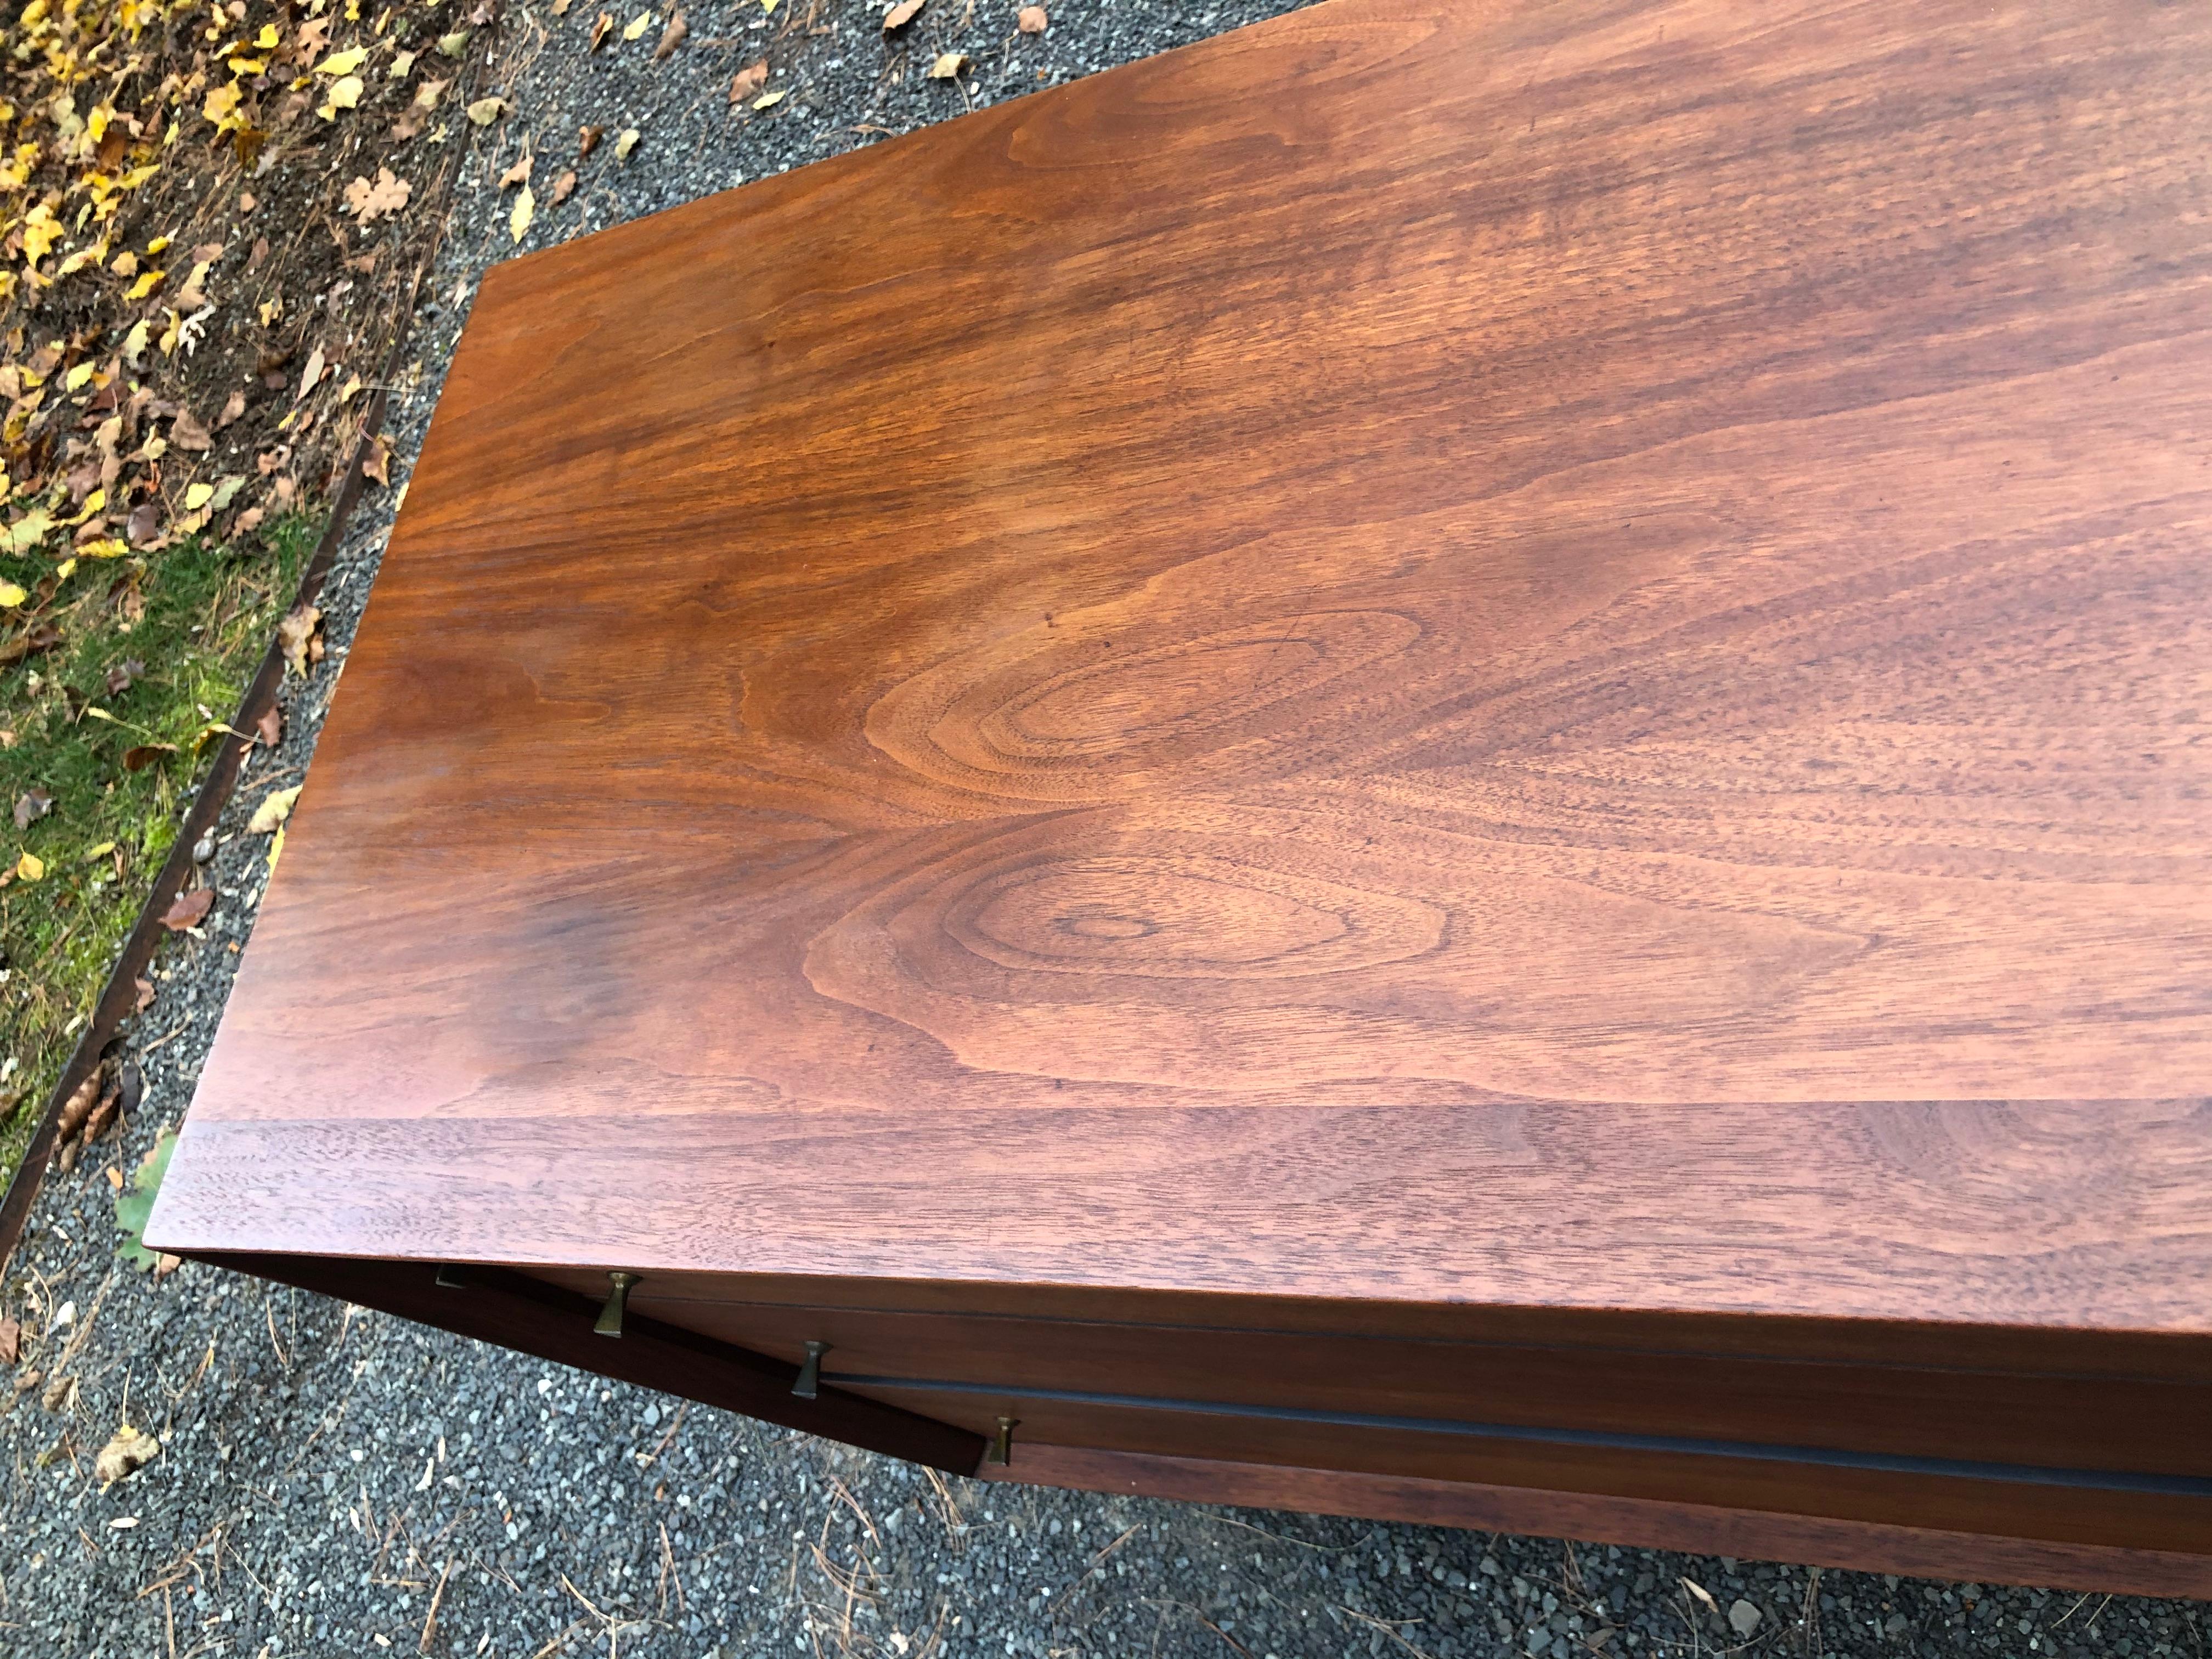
(1479, 661)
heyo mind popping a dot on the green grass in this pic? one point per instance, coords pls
(197, 617)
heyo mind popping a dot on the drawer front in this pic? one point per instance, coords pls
(1926, 1499)
(2092, 1424)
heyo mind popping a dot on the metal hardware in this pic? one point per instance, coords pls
(809, 1373)
(451, 1278)
(610, 1316)
(1002, 1448)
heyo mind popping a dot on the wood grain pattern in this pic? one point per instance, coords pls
(1474, 660)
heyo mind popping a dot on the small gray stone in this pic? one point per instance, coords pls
(1743, 1618)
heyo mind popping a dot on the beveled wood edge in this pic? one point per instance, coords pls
(1633, 1523)
(511, 1311)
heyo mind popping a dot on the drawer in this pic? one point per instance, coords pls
(2072, 1422)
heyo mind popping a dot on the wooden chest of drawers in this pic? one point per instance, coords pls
(1451, 761)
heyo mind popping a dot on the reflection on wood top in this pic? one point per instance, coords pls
(1545, 654)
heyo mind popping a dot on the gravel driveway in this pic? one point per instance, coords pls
(333, 1481)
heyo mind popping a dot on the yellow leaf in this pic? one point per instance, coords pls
(159, 244)
(100, 852)
(342, 62)
(104, 547)
(948, 65)
(626, 144)
(344, 94)
(637, 26)
(30, 866)
(221, 104)
(485, 110)
(276, 807)
(134, 343)
(769, 99)
(454, 44)
(197, 496)
(276, 847)
(147, 283)
(267, 38)
(12, 596)
(76, 378)
(64, 570)
(518, 221)
(767, 5)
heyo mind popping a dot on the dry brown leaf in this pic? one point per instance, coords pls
(188, 911)
(587, 140)
(377, 464)
(186, 432)
(301, 635)
(139, 757)
(11, 1341)
(270, 728)
(77, 1108)
(131, 1450)
(516, 174)
(749, 81)
(144, 987)
(32, 805)
(369, 202)
(900, 15)
(233, 407)
(948, 66)
(485, 110)
(144, 524)
(562, 186)
(672, 36)
(1030, 20)
(165, 1264)
(310, 374)
(600, 29)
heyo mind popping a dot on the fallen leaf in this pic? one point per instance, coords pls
(164, 1263)
(138, 758)
(948, 66)
(672, 37)
(340, 64)
(11, 1341)
(12, 596)
(749, 81)
(233, 407)
(600, 29)
(135, 1203)
(770, 99)
(900, 15)
(30, 867)
(626, 144)
(32, 805)
(1701, 1593)
(428, 94)
(188, 911)
(377, 464)
(197, 495)
(226, 492)
(276, 847)
(454, 44)
(637, 26)
(131, 1450)
(562, 186)
(518, 221)
(121, 677)
(301, 635)
(186, 432)
(368, 202)
(1030, 20)
(485, 110)
(276, 807)
(516, 174)
(342, 94)
(310, 374)
(144, 987)
(270, 728)
(144, 524)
